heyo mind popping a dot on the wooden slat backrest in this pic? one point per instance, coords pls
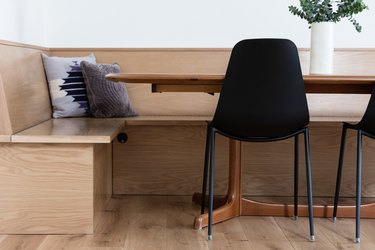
(353, 61)
(24, 97)
(136, 60)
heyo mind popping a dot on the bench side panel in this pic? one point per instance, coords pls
(46, 188)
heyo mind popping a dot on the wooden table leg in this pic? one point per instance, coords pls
(254, 208)
(232, 204)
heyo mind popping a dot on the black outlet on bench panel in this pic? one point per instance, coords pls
(122, 137)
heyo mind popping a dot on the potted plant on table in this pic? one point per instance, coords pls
(321, 16)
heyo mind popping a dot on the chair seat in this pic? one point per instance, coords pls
(245, 133)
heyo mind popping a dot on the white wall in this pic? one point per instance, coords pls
(10, 20)
(22, 21)
(32, 22)
(169, 23)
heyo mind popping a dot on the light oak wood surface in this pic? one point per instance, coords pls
(36, 189)
(146, 164)
(24, 94)
(348, 61)
(5, 138)
(5, 125)
(172, 82)
(72, 130)
(162, 160)
(129, 223)
(164, 78)
(102, 180)
(23, 45)
(53, 188)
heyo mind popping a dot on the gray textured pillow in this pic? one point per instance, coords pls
(106, 98)
(67, 87)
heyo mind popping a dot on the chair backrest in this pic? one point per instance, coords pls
(367, 122)
(263, 92)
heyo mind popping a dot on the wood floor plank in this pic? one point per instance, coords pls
(110, 232)
(361, 246)
(368, 229)
(22, 242)
(114, 226)
(298, 232)
(179, 232)
(264, 233)
(66, 242)
(342, 232)
(262, 228)
(2, 237)
(148, 231)
(229, 235)
(148, 223)
(166, 222)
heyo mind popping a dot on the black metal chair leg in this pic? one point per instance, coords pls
(205, 170)
(296, 177)
(309, 184)
(358, 189)
(211, 184)
(339, 172)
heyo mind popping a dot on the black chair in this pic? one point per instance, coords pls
(262, 100)
(365, 127)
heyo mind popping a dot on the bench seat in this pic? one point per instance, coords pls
(71, 130)
(95, 130)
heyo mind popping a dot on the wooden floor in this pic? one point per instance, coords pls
(160, 222)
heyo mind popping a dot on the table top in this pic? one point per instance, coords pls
(183, 82)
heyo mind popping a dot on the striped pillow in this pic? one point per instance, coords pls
(66, 85)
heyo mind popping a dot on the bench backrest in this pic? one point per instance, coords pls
(135, 60)
(353, 61)
(24, 98)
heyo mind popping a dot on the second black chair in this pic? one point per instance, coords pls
(365, 127)
(262, 100)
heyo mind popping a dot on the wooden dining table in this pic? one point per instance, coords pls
(211, 83)
(233, 204)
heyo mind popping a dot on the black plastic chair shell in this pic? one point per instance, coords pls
(262, 99)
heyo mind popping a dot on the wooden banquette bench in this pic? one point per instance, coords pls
(56, 175)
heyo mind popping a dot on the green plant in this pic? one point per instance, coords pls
(316, 11)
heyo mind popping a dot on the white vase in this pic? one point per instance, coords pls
(321, 51)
